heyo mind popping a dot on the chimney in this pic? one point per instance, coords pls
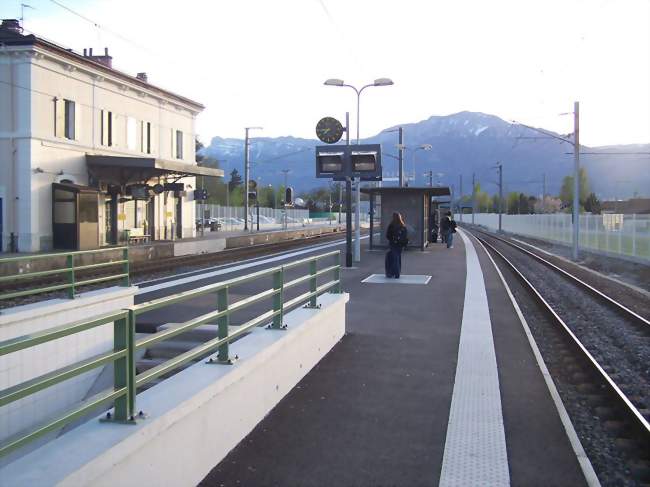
(142, 77)
(11, 25)
(104, 59)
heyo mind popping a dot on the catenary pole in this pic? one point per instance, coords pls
(576, 178)
(246, 176)
(460, 197)
(500, 168)
(473, 196)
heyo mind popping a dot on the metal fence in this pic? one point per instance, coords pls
(618, 234)
(232, 217)
(68, 269)
(126, 381)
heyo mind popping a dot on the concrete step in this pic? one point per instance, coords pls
(169, 349)
(200, 334)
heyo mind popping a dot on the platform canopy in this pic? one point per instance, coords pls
(122, 170)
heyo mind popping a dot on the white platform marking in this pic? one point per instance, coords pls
(403, 279)
(475, 448)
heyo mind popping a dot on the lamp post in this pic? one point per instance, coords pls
(419, 147)
(357, 213)
(247, 174)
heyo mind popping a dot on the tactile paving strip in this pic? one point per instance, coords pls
(475, 448)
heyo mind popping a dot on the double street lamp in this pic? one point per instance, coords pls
(357, 213)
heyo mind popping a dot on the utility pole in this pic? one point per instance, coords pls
(247, 175)
(576, 177)
(401, 157)
(473, 196)
(348, 202)
(544, 193)
(357, 206)
(500, 169)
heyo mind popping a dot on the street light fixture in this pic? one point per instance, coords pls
(357, 213)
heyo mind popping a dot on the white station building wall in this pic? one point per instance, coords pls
(32, 157)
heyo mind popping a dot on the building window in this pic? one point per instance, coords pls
(131, 133)
(177, 144)
(64, 118)
(107, 128)
(145, 137)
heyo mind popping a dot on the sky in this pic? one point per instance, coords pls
(263, 63)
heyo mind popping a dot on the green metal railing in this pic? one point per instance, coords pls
(126, 381)
(70, 269)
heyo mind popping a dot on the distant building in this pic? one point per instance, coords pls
(640, 206)
(88, 152)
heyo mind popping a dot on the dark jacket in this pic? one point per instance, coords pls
(447, 225)
(397, 235)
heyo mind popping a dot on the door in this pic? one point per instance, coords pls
(179, 214)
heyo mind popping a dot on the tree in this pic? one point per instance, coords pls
(235, 180)
(566, 191)
(592, 204)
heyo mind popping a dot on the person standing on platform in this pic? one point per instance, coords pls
(448, 228)
(397, 237)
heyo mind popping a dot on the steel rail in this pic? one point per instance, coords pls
(629, 408)
(609, 300)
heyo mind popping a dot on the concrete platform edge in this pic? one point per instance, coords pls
(196, 417)
(585, 464)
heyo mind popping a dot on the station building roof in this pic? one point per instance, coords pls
(125, 169)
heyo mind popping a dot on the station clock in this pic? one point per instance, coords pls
(329, 130)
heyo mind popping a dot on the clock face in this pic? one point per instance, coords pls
(329, 130)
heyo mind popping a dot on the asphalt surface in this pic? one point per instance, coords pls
(374, 411)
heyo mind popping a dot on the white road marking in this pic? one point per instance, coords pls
(475, 447)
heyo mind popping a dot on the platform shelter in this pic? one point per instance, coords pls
(419, 208)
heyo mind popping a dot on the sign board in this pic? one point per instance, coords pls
(349, 161)
(121, 217)
(201, 194)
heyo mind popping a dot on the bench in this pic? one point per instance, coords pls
(137, 235)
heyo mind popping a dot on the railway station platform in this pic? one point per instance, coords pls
(435, 383)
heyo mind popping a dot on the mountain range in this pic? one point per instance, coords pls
(462, 144)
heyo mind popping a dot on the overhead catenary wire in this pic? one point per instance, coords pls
(101, 27)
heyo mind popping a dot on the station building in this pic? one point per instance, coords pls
(89, 155)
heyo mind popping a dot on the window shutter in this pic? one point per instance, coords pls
(70, 110)
(173, 135)
(104, 127)
(59, 117)
(152, 138)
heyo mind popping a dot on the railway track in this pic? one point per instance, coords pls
(602, 350)
(157, 268)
